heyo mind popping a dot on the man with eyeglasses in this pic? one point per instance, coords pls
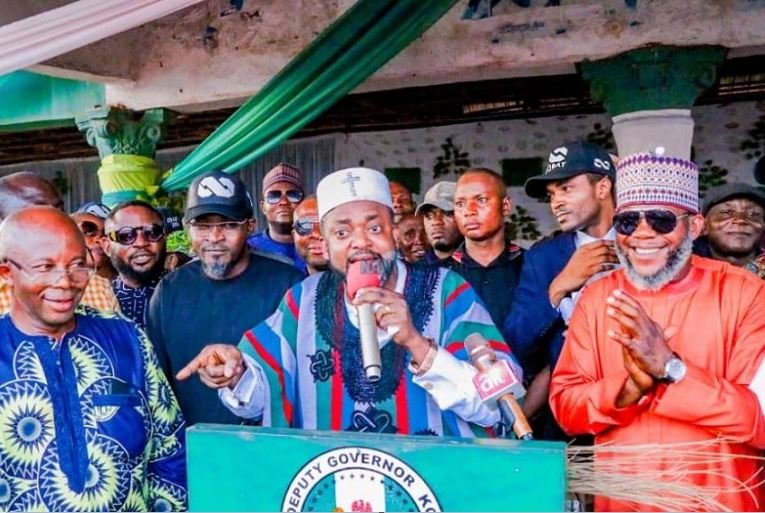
(304, 363)
(25, 189)
(734, 224)
(282, 191)
(228, 289)
(135, 243)
(663, 350)
(92, 228)
(307, 234)
(89, 420)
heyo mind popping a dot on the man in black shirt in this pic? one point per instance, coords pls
(218, 297)
(489, 263)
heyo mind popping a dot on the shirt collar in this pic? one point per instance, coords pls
(583, 238)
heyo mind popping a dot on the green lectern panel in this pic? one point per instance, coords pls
(234, 468)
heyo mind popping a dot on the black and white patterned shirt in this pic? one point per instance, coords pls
(134, 301)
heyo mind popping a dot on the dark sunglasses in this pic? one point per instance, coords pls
(90, 229)
(304, 226)
(293, 196)
(660, 221)
(128, 235)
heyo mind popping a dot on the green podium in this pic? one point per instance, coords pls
(236, 468)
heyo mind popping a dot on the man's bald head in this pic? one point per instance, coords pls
(24, 189)
(26, 229)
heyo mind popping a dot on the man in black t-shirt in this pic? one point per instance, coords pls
(216, 298)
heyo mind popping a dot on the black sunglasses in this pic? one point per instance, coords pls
(128, 235)
(304, 226)
(90, 229)
(660, 221)
(293, 196)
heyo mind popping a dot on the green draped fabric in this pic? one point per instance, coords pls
(350, 50)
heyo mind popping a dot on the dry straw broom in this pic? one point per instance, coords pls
(628, 473)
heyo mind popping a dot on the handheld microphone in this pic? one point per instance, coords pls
(496, 381)
(366, 273)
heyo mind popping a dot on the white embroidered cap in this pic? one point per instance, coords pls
(352, 184)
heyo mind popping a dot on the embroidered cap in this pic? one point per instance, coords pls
(570, 160)
(283, 172)
(650, 179)
(219, 193)
(352, 184)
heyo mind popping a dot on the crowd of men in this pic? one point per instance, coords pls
(637, 322)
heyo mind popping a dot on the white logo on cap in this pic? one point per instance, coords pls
(222, 187)
(602, 164)
(557, 158)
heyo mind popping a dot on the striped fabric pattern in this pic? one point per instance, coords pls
(288, 344)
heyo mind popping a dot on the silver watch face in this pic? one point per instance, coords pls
(675, 369)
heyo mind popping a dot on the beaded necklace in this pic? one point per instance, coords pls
(334, 326)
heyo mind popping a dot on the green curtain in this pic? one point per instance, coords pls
(350, 50)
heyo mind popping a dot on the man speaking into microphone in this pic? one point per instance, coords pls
(304, 366)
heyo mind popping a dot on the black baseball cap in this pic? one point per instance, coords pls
(171, 218)
(570, 160)
(220, 193)
(94, 208)
(731, 191)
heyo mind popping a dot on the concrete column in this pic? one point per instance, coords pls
(127, 143)
(649, 93)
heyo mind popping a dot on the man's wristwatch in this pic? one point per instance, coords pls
(674, 369)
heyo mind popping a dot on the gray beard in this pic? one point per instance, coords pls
(675, 262)
(217, 270)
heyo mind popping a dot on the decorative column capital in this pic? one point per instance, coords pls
(120, 131)
(652, 78)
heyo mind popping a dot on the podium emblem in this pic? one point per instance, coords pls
(358, 479)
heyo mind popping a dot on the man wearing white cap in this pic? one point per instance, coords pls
(303, 364)
(662, 351)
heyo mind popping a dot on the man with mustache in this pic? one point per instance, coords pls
(307, 234)
(303, 364)
(218, 296)
(734, 224)
(282, 191)
(89, 420)
(664, 350)
(579, 181)
(135, 244)
(437, 210)
(24, 189)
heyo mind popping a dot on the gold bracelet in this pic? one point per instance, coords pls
(427, 362)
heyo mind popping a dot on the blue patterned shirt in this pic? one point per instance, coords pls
(88, 422)
(133, 302)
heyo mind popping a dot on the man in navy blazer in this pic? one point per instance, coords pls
(578, 180)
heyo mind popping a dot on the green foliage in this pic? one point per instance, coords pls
(711, 175)
(452, 161)
(176, 241)
(602, 137)
(522, 225)
(754, 146)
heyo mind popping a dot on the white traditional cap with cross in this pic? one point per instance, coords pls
(352, 184)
